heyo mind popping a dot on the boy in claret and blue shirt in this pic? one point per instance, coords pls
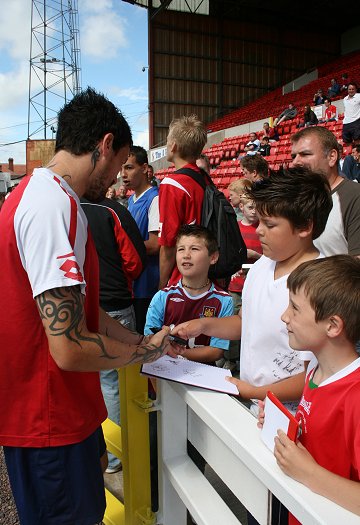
(194, 295)
(324, 317)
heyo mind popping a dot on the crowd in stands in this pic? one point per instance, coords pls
(146, 264)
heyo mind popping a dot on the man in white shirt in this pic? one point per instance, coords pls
(351, 122)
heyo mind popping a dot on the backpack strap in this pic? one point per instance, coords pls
(202, 178)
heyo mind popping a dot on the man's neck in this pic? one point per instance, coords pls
(74, 169)
(334, 178)
(143, 187)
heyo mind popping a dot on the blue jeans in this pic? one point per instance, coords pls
(110, 381)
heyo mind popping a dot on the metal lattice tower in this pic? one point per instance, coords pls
(54, 63)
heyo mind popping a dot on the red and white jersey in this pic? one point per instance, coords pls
(329, 416)
(180, 202)
(44, 244)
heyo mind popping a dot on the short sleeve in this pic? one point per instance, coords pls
(226, 311)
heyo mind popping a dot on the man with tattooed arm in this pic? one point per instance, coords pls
(53, 337)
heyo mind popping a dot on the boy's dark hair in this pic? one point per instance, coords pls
(325, 137)
(195, 230)
(332, 286)
(255, 163)
(298, 194)
(140, 155)
(86, 119)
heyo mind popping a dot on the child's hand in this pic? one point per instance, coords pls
(189, 329)
(294, 459)
(246, 390)
(261, 414)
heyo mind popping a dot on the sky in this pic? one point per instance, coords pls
(113, 49)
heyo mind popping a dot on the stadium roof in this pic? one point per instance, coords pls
(328, 14)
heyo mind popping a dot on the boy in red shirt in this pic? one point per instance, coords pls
(324, 317)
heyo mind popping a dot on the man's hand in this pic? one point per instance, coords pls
(294, 459)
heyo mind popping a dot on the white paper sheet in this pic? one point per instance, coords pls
(274, 419)
(190, 373)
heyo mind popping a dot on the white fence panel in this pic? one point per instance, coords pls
(226, 435)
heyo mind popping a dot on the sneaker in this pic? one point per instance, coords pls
(113, 470)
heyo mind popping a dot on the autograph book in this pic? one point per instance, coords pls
(277, 417)
(191, 373)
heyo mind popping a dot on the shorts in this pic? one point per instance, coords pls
(351, 131)
(58, 485)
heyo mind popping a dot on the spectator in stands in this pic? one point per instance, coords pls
(309, 119)
(319, 97)
(330, 111)
(334, 88)
(144, 207)
(344, 82)
(341, 157)
(289, 113)
(264, 149)
(193, 294)
(351, 167)
(254, 168)
(58, 338)
(203, 162)
(111, 193)
(236, 191)
(269, 132)
(247, 225)
(122, 257)
(253, 145)
(185, 142)
(154, 181)
(317, 148)
(122, 197)
(351, 122)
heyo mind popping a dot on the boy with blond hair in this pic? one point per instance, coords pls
(325, 318)
(236, 190)
(180, 197)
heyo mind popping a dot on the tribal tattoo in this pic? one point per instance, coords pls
(64, 311)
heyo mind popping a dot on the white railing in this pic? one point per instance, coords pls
(226, 435)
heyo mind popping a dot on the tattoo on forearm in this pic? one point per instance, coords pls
(146, 353)
(63, 309)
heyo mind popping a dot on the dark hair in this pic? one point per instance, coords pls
(255, 163)
(195, 230)
(140, 154)
(327, 99)
(332, 286)
(86, 119)
(298, 194)
(357, 147)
